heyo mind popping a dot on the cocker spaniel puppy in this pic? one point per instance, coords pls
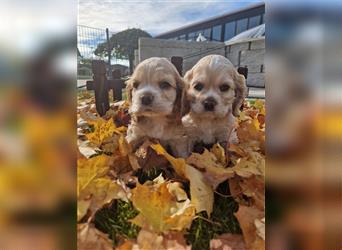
(215, 92)
(155, 93)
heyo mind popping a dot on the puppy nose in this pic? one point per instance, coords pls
(209, 104)
(147, 99)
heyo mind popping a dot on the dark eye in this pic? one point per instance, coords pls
(164, 85)
(224, 87)
(198, 86)
(135, 84)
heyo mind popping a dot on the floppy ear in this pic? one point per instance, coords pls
(240, 92)
(129, 88)
(178, 108)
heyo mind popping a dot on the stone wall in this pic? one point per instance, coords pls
(190, 51)
(248, 53)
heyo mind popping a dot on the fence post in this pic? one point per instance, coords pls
(100, 86)
(108, 51)
(117, 88)
(178, 62)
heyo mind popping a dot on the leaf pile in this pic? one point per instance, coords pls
(149, 199)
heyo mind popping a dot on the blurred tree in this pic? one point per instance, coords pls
(122, 45)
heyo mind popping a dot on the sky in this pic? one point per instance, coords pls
(154, 17)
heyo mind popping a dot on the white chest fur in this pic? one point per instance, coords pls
(206, 130)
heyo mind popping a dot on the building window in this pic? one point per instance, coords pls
(229, 30)
(182, 37)
(206, 33)
(241, 25)
(254, 21)
(217, 33)
(263, 18)
(191, 36)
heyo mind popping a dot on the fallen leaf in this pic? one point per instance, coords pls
(87, 150)
(103, 130)
(163, 211)
(202, 194)
(89, 238)
(95, 188)
(212, 169)
(246, 217)
(148, 240)
(219, 153)
(89, 169)
(228, 242)
(178, 164)
(260, 226)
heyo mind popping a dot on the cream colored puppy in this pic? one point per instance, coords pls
(215, 92)
(155, 92)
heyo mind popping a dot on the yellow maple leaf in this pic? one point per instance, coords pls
(160, 209)
(202, 194)
(178, 164)
(89, 169)
(94, 188)
(103, 130)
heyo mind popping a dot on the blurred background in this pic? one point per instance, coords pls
(38, 69)
(304, 125)
(37, 124)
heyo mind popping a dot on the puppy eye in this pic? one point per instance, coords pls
(224, 87)
(135, 84)
(164, 85)
(198, 86)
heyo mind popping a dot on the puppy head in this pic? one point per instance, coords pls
(155, 88)
(214, 87)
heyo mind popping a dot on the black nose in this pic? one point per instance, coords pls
(209, 104)
(147, 99)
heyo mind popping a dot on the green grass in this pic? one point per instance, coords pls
(222, 221)
(114, 220)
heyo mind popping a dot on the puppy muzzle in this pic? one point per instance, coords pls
(147, 99)
(209, 104)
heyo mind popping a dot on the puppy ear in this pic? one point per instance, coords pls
(129, 88)
(185, 101)
(179, 103)
(240, 93)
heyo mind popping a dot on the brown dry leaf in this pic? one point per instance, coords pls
(148, 240)
(219, 153)
(202, 194)
(214, 172)
(89, 238)
(247, 131)
(260, 226)
(246, 217)
(148, 158)
(254, 187)
(228, 242)
(246, 168)
(159, 208)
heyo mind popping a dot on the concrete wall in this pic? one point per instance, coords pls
(249, 53)
(190, 51)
